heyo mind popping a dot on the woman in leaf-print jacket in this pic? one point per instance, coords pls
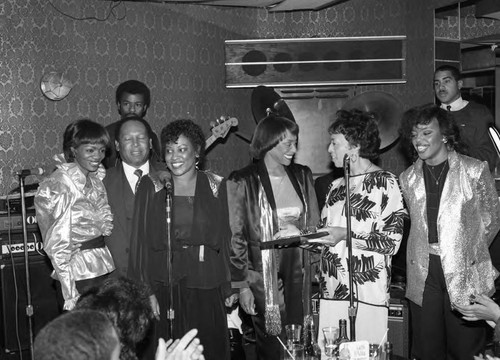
(377, 219)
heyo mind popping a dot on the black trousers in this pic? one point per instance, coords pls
(438, 332)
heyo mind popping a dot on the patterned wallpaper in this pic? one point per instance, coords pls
(178, 51)
(467, 26)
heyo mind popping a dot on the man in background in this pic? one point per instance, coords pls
(322, 185)
(473, 119)
(132, 99)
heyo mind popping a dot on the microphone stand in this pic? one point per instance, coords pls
(29, 305)
(352, 309)
(170, 311)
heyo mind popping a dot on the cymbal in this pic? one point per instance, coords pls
(387, 111)
(266, 101)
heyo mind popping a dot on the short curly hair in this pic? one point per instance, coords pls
(423, 115)
(269, 132)
(188, 128)
(359, 129)
(126, 303)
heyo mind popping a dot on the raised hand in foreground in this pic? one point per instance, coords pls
(187, 348)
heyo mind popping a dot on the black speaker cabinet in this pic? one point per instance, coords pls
(399, 327)
(15, 329)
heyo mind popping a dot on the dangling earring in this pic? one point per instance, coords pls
(445, 140)
(197, 162)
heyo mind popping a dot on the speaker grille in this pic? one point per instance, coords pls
(399, 327)
(315, 61)
(14, 300)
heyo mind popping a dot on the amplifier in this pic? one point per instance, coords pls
(14, 324)
(399, 327)
(14, 223)
(14, 246)
(12, 202)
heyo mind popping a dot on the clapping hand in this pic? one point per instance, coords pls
(488, 357)
(187, 348)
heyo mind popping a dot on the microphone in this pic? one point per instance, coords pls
(166, 180)
(28, 172)
(347, 163)
(168, 185)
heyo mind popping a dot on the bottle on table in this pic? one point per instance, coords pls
(311, 346)
(342, 336)
(388, 350)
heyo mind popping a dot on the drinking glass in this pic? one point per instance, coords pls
(293, 332)
(331, 333)
(294, 352)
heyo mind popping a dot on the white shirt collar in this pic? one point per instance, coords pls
(129, 173)
(456, 105)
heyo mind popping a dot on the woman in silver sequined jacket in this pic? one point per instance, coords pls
(455, 215)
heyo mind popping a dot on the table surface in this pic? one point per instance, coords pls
(323, 357)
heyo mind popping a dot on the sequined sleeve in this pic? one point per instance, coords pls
(53, 206)
(488, 203)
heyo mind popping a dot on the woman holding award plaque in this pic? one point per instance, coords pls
(377, 221)
(271, 198)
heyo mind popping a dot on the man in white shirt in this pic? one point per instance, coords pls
(473, 119)
(133, 144)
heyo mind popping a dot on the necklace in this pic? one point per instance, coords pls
(364, 171)
(367, 168)
(440, 174)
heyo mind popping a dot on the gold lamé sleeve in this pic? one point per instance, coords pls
(105, 214)
(53, 209)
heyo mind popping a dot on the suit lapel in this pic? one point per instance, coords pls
(268, 190)
(122, 193)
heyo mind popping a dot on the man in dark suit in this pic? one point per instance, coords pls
(133, 144)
